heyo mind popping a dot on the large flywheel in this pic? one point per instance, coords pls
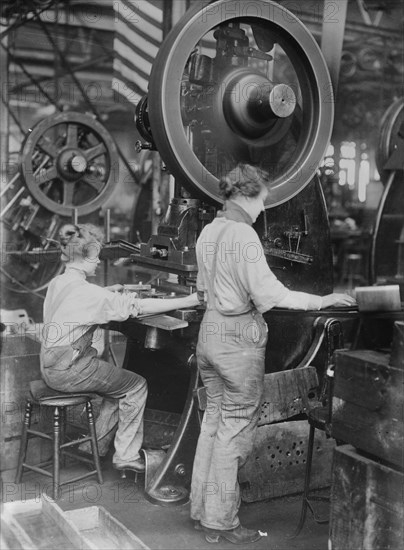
(390, 140)
(69, 161)
(241, 81)
(68, 164)
(387, 247)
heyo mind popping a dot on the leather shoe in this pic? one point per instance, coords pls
(238, 535)
(137, 466)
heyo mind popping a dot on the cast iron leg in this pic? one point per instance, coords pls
(306, 489)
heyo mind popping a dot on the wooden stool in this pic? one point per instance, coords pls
(43, 396)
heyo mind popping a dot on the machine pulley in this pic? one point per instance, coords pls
(387, 246)
(390, 152)
(235, 84)
(69, 161)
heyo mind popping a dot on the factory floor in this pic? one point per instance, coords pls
(169, 527)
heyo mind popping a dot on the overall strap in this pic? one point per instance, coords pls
(211, 280)
(60, 298)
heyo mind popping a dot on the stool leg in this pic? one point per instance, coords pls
(94, 443)
(305, 502)
(62, 434)
(56, 452)
(24, 441)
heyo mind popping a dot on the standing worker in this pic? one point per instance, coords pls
(231, 349)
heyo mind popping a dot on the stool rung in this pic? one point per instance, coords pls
(45, 464)
(78, 457)
(36, 469)
(75, 442)
(78, 478)
(39, 434)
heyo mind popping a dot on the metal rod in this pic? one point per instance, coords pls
(107, 232)
(10, 184)
(13, 200)
(75, 216)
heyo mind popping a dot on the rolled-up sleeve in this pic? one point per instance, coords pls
(301, 300)
(265, 289)
(99, 305)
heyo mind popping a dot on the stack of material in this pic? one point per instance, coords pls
(367, 509)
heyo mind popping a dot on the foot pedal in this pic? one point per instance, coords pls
(131, 474)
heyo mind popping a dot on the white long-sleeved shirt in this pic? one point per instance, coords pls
(242, 272)
(71, 313)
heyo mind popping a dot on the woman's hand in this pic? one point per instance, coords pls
(337, 300)
(114, 288)
(192, 300)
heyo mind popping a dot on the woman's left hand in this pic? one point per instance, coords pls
(193, 300)
(337, 300)
(114, 288)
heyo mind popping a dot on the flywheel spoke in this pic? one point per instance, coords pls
(93, 182)
(47, 147)
(71, 140)
(68, 193)
(96, 151)
(46, 175)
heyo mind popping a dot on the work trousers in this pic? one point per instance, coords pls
(231, 361)
(124, 394)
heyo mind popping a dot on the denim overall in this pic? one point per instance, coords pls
(230, 355)
(76, 368)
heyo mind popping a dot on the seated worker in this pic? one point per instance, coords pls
(73, 309)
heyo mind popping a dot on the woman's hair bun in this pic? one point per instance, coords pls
(226, 186)
(80, 241)
(67, 233)
(244, 179)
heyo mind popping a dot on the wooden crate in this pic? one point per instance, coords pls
(367, 508)
(41, 524)
(19, 366)
(368, 404)
(397, 346)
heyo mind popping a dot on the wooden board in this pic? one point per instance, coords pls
(368, 404)
(41, 524)
(287, 394)
(163, 322)
(367, 509)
